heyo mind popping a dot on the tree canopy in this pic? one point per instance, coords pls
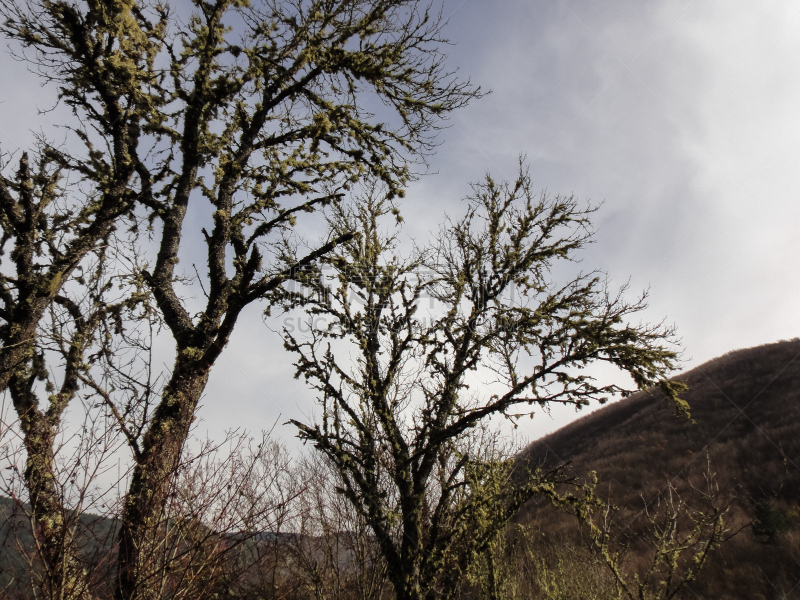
(396, 380)
(246, 114)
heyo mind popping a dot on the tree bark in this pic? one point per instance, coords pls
(141, 533)
(15, 354)
(64, 575)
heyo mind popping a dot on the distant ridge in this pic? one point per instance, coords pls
(752, 379)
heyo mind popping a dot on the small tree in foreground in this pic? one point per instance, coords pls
(677, 533)
(398, 419)
(652, 553)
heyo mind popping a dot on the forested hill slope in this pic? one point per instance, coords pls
(746, 411)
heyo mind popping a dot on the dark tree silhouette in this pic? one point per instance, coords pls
(399, 421)
(251, 113)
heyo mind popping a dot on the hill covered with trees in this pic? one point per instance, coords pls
(744, 435)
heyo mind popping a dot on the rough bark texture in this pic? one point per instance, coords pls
(143, 518)
(64, 577)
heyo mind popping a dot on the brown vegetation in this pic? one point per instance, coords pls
(245, 522)
(746, 412)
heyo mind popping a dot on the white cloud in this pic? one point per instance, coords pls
(682, 116)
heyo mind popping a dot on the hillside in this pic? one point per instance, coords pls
(746, 429)
(746, 411)
(17, 546)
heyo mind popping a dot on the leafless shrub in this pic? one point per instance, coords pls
(664, 547)
(336, 555)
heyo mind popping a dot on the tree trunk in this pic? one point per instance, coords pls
(139, 569)
(64, 576)
(18, 347)
(406, 580)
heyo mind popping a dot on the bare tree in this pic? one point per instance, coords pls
(80, 331)
(253, 113)
(396, 420)
(336, 555)
(228, 501)
(56, 212)
(62, 553)
(681, 529)
(652, 553)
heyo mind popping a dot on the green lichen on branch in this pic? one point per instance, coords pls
(401, 423)
(260, 107)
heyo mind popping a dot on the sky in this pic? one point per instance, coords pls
(681, 117)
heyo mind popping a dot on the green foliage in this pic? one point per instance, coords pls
(768, 521)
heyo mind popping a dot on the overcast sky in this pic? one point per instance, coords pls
(682, 117)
